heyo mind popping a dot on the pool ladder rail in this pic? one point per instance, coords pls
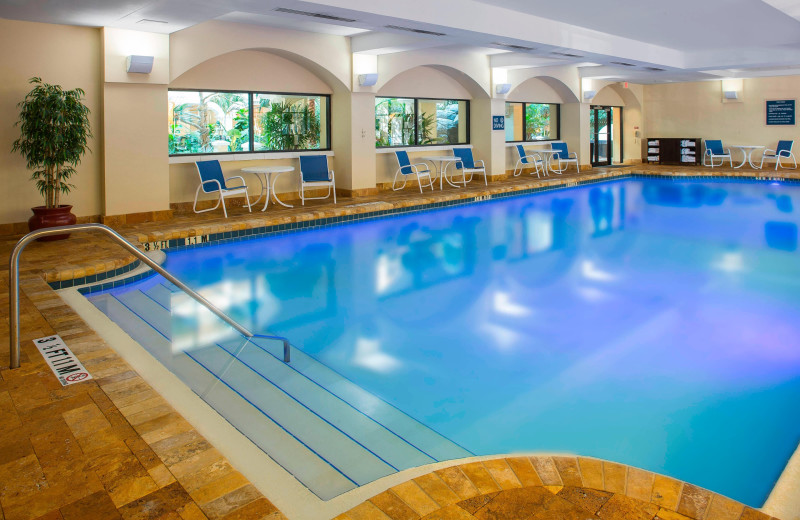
(13, 285)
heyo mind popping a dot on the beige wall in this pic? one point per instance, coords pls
(59, 54)
(535, 90)
(697, 110)
(424, 82)
(136, 154)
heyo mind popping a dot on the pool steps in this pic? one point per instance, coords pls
(326, 431)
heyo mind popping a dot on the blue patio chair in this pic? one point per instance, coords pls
(714, 149)
(525, 160)
(564, 157)
(314, 173)
(212, 181)
(406, 169)
(468, 165)
(784, 149)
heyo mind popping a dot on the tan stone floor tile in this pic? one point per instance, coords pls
(639, 484)
(666, 514)
(524, 470)
(124, 490)
(615, 477)
(437, 489)
(20, 479)
(52, 515)
(666, 492)
(415, 497)
(458, 482)
(196, 462)
(475, 504)
(393, 507)
(480, 476)
(367, 511)
(191, 511)
(161, 475)
(230, 502)
(591, 472)
(723, 508)
(220, 487)
(163, 427)
(157, 504)
(177, 448)
(547, 471)
(589, 499)
(260, 509)
(521, 503)
(86, 420)
(694, 501)
(143, 453)
(502, 473)
(752, 514)
(620, 507)
(452, 512)
(97, 506)
(206, 475)
(568, 470)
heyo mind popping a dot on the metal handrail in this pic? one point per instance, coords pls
(13, 284)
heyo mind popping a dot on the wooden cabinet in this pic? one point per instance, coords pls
(674, 150)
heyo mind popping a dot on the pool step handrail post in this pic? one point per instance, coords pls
(13, 284)
(287, 347)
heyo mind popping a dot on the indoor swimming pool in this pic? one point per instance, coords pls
(644, 321)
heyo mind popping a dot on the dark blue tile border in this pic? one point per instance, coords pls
(182, 244)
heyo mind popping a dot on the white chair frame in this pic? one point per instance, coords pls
(537, 162)
(777, 158)
(711, 155)
(571, 158)
(415, 170)
(330, 183)
(470, 171)
(223, 192)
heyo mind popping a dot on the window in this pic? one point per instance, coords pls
(420, 122)
(202, 122)
(532, 122)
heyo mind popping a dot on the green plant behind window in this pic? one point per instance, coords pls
(54, 133)
(290, 126)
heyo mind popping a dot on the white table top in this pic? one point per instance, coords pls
(441, 158)
(754, 146)
(268, 169)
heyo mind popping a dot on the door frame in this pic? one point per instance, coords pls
(595, 134)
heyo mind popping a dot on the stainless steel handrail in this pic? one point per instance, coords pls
(13, 284)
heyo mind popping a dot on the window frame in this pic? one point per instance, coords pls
(416, 122)
(525, 126)
(251, 137)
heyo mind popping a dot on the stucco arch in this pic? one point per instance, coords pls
(387, 71)
(628, 96)
(464, 84)
(326, 56)
(562, 89)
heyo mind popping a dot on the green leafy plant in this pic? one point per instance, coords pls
(54, 133)
(290, 127)
(426, 122)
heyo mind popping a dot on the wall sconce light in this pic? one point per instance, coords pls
(502, 88)
(730, 94)
(139, 64)
(367, 80)
(589, 94)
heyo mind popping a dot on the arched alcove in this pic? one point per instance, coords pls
(542, 89)
(431, 80)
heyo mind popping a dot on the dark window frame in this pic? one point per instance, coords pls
(416, 122)
(525, 126)
(251, 140)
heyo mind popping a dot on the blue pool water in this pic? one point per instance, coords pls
(649, 322)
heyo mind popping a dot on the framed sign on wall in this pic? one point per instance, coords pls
(498, 122)
(781, 112)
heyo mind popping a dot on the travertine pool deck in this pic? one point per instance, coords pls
(113, 448)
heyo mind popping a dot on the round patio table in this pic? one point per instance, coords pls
(267, 175)
(747, 154)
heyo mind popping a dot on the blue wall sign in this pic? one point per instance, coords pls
(780, 112)
(498, 122)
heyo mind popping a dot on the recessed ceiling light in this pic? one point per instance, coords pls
(314, 15)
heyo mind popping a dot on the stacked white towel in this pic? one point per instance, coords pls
(653, 142)
(652, 150)
(652, 158)
(687, 143)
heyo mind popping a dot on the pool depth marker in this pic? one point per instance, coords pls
(65, 366)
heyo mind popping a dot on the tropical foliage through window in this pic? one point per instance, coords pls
(220, 122)
(531, 121)
(420, 122)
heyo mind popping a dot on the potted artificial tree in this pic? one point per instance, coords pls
(54, 130)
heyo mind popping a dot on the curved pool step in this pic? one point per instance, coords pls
(328, 432)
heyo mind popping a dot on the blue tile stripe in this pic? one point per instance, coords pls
(227, 237)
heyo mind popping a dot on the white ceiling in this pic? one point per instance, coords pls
(688, 39)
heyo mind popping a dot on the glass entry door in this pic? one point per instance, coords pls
(601, 135)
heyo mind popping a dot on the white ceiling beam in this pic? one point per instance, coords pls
(386, 43)
(518, 60)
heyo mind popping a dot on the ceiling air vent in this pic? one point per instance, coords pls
(568, 55)
(623, 63)
(315, 15)
(411, 29)
(655, 69)
(512, 46)
(148, 20)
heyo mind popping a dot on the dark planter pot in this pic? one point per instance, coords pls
(51, 217)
